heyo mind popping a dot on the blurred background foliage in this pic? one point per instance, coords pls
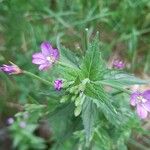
(124, 27)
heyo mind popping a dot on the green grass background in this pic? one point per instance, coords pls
(124, 27)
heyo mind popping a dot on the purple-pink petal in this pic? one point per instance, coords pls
(133, 98)
(44, 66)
(38, 55)
(142, 113)
(46, 57)
(10, 69)
(38, 61)
(46, 48)
(146, 95)
(118, 64)
(147, 106)
(58, 84)
(55, 53)
(22, 124)
(10, 120)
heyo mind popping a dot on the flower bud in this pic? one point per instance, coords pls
(10, 69)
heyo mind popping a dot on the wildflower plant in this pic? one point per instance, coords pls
(86, 114)
(23, 126)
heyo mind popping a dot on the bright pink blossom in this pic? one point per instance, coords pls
(58, 84)
(22, 124)
(47, 57)
(142, 103)
(10, 69)
(10, 120)
(118, 64)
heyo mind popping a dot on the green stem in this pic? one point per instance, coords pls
(116, 93)
(85, 40)
(37, 77)
(133, 60)
(113, 86)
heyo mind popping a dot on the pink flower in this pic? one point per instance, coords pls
(58, 84)
(118, 64)
(47, 57)
(22, 124)
(10, 69)
(10, 120)
(142, 103)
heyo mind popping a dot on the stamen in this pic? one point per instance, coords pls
(141, 99)
(50, 59)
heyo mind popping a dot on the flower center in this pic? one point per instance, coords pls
(140, 99)
(51, 59)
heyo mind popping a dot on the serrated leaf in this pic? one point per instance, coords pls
(93, 66)
(68, 56)
(121, 78)
(103, 102)
(103, 140)
(69, 73)
(69, 68)
(89, 115)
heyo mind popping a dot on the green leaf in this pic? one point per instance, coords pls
(60, 121)
(93, 66)
(103, 102)
(102, 139)
(89, 115)
(68, 64)
(78, 110)
(121, 78)
(69, 73)
(68, 56)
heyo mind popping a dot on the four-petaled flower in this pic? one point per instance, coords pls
(118, 64)
(46, 57)
(10, 69)
(58, 84)
(142, 103)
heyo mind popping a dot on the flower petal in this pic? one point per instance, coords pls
(38, 61)
(46, 48)
(38, 55)
(55, 54)
(118, 64)
(142, 113)
(44, 66)
(58, 84)
(146, 95)
(133, 98)
(147, 105)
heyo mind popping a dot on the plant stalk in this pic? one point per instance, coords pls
(37, 77)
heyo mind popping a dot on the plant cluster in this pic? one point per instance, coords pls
(87, 114)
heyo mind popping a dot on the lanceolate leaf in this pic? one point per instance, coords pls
(89, 115)
(115, 77)
(92, 66)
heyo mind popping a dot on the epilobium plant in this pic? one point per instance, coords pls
(86, 113)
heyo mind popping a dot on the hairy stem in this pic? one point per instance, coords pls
(37, 77)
